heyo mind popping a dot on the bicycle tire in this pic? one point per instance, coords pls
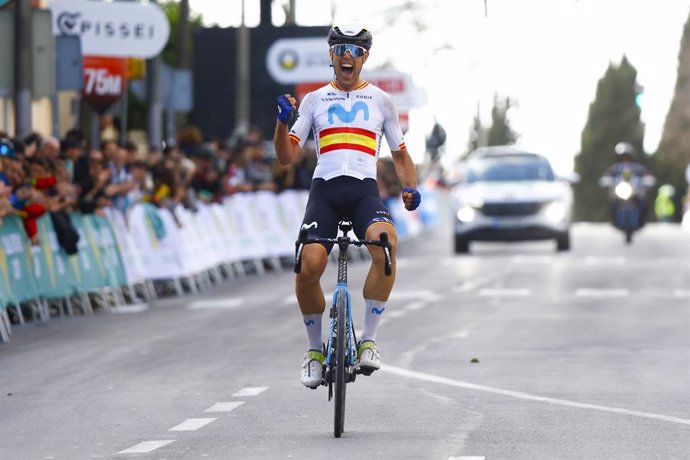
(340, 364)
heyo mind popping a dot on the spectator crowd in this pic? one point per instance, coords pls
(45, 175)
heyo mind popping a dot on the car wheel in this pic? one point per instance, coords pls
(462, 245)
(563, 242)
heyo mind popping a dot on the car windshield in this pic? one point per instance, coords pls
(508, 169)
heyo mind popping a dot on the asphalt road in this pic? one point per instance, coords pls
(577, 355)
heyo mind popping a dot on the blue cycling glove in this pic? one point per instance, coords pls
(285, 109)
(416, 198)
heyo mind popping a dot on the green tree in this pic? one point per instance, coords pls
(476, 134)
(500, 132)
(613, 117)
(673, 154)
(177, 53)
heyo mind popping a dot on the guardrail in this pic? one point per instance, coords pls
(121, 259)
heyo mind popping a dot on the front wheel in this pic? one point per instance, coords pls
(340, 364)
(563, 242)
(462, 245)
(628, 235)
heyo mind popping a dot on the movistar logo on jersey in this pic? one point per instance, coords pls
(347, 116)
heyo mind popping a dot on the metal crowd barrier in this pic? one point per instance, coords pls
(133, 258)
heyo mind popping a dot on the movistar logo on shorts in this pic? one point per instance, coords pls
(347, 116)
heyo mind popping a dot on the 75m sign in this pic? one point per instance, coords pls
(104, 81)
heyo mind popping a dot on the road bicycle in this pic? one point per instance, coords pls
(339, 367)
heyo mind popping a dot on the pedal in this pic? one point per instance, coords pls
(364, 371)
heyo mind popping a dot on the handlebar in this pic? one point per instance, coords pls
(343, 242)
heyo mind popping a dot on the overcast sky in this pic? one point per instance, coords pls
(547, 55)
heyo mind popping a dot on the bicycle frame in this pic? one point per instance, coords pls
(341, 288)
(339, 369)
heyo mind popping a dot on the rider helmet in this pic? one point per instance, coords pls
(349, 33)
(624, 149)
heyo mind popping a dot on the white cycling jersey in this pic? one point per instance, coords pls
(348, 127)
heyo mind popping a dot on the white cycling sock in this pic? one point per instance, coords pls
(313, 325)
(373, 311)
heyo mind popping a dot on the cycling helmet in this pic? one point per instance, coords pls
(350, 33)
(625, 148)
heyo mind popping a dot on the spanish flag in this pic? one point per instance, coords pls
(347, 138)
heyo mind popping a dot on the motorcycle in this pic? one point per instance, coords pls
(627, 192)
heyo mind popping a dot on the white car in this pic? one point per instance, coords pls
(510, 195)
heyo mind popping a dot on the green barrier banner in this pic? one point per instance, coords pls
(89, 268)
(109, 249)
(4, 283)
(15, 269)
(53, 272)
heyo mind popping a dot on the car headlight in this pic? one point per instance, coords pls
(555, 212)
(466, 214)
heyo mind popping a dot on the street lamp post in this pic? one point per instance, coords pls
(22, 68)
(242, 89)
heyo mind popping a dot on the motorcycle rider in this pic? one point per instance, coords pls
(627, 165)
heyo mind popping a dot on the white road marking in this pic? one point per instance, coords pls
(423, 294)
(463, 334)
(476, 283)
(249, 391)
(292, 299)
(504, 292)
(601, 292)
(681, 293)
(145, 447)
(607, 261)
(224, 406)
(192, 424)
(472, 285)
(134, 308)
(216, 304)
(414, 306)
(526, 396)
(466, 457)
(400, 312)
(542, 260)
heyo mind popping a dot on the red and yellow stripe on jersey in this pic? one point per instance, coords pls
(347, 138)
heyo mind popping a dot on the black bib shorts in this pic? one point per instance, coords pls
(343, 198)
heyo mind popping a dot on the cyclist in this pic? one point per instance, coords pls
(348, 118)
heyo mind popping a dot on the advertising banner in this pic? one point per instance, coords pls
(52, 271)
(156, 236)
(108, 247)
(89, 268)
(15, 269)
(121, 29)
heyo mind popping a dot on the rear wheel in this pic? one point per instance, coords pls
(462, 245)
(340, 364)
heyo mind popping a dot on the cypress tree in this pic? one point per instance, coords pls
(673, 154)
(500, 132)
(477, 133)
(613, 117)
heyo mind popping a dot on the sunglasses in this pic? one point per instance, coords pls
(341, 49)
